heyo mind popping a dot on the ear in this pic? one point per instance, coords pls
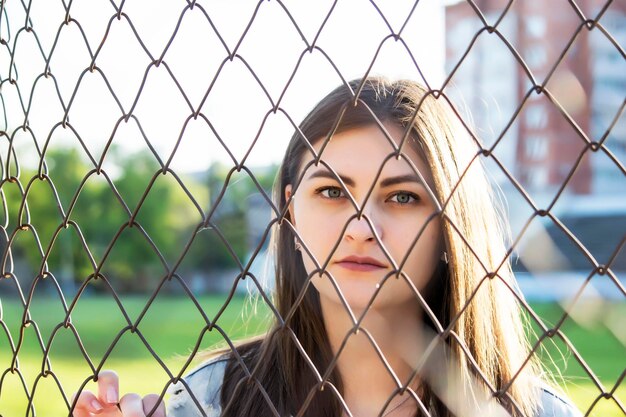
(288, 194)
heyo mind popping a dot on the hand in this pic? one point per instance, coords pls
(105, 404)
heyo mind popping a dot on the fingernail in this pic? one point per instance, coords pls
(112, 395)
(95, 404)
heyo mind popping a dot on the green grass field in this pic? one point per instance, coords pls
(173, 327)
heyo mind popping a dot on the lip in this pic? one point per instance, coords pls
(361, 263)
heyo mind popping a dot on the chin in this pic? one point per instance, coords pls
(358, 295)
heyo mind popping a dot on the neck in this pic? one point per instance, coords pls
(391, 335)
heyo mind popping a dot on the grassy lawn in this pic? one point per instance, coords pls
(173, 327)
(597, 333)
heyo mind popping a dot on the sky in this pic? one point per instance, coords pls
(236, 107)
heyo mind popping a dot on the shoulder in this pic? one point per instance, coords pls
(552, 404)
(198, 394)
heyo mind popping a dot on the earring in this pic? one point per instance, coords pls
(444, 257)
(296, 244)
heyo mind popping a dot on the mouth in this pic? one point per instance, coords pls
(361, 264)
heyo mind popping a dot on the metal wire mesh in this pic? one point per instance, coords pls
(22, 83)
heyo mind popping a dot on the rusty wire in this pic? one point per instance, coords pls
(11, 175)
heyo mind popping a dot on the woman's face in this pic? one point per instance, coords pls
(398, 207)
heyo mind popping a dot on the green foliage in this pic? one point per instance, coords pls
(129, 223)
(231, 193)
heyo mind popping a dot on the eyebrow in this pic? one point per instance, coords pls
(400, 179)
(324, 173)
(387, 182)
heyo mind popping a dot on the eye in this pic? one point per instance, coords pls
(403, 197)
(330, 192)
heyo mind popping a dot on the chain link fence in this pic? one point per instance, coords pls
(139, 144)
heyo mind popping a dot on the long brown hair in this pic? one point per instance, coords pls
(471, 298)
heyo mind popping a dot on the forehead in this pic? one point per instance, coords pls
(361, 151)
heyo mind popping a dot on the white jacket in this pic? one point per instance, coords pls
(205, 382)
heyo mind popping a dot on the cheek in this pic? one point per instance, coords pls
(411, 230)
(430, 242)
(424, 255)
(319, 231)
(312, 231)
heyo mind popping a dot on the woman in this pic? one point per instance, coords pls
(393, 288)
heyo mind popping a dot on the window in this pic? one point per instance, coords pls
(536, 26)
(537, 176)
(535, 117)
(536, 147)
(536, 55)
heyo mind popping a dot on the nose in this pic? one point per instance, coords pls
(360, 230)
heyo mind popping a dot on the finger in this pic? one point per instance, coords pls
(149, 403)
(108, 387)
(131, 406)
(87, 403)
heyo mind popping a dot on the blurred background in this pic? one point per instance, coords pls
(139, 143)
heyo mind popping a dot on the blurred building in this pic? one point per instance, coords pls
(586, 80)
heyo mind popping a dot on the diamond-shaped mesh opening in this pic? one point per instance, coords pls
(139, 232)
